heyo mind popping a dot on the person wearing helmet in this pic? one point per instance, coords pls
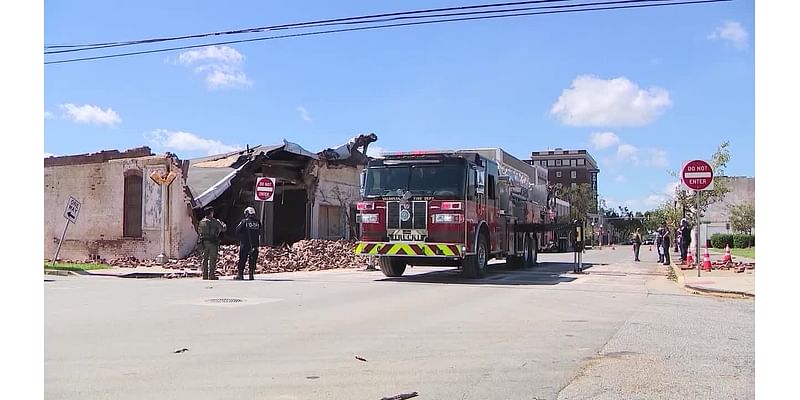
(249, 233)
(210, 230)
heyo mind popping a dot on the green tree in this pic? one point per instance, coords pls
(742, 217)
(580, 198)
(687, 199)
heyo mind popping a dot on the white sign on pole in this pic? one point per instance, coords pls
(72, 210)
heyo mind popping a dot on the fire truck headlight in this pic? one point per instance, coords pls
(368, 218)
(448, 218)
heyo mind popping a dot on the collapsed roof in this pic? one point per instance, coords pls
(209, 177)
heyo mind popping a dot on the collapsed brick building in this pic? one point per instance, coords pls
(125, 212)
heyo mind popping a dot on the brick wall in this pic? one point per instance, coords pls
(99, 186)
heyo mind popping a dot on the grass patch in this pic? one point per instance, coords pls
(75, 266)
(749, 252)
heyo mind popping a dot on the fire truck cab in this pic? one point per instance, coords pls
(448, 208)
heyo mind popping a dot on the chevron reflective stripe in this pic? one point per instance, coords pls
(408, 249)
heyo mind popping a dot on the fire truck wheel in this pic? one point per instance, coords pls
(392, 266)
(475, 265)
(530, 253)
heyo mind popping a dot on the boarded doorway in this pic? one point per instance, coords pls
(132, 209)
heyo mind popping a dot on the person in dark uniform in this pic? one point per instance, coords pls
(665, 242)
(249, 233)
(637, 244)
(659, 244)
(210, 229)
(686, 237)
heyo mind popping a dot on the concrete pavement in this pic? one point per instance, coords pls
(517, 334)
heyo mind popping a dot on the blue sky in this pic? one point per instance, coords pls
(642, 90)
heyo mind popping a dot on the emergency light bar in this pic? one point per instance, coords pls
(416, 153)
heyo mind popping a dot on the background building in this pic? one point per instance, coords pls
(716, 217)
(569, 168)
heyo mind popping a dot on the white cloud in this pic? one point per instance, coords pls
(220, 65)
(375, 151)
(658, 158)
(592, 101)
(655, 200)
(303, 113)
(187, 141)
(731, 31)
(49, 155)
(629, 153)
(620, 179)
(601, 140)
(670, 188)
(90, 114)
(224, 54)
(48, 115)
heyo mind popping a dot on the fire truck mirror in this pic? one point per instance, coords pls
(362, 181)
(480, 179)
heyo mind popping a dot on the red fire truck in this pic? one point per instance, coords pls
(451, 208)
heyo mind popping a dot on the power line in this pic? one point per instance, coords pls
(388, 26)
(299, 24)
(354, 20)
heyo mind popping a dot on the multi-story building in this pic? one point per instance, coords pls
(569, 168)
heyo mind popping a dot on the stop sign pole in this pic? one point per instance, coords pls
(699, 176)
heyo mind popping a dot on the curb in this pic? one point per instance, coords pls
(682, 282)
(59, 272)
(720, 291)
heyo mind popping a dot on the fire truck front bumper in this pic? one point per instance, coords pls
(412, 249)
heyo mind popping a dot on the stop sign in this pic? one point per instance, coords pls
(697, 175)
(265, 187)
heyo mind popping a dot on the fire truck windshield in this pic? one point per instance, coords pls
(445, 181)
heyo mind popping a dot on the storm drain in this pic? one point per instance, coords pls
(224, 301)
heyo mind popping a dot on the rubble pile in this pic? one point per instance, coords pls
(738, 266)
(305, 255)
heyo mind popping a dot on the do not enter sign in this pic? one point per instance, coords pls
(265, 188)
(697, 175)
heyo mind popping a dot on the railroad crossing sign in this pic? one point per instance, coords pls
(265, 188)
(72, 210)
(697, 175)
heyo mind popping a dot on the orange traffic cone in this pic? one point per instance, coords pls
(690, 258)
(727, 257)
(706, 260)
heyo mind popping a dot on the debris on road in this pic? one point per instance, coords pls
(181, 350)
(361, 359)
(402, 396)
(305, 255)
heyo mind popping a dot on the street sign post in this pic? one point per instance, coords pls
(697, 175)
(265, 189)
(71, 212)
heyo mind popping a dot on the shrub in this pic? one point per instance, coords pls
(737, 240)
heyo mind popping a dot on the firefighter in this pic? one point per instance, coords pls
(248, 231)
(665, 243)
(210, 230)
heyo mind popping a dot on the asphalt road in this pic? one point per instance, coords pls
(620, 331)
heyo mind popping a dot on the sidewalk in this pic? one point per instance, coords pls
(137, 272)
(718, 281)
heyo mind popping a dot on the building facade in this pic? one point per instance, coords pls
(124, 211)
(127, 211)
(569, 168)
(716, 217)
